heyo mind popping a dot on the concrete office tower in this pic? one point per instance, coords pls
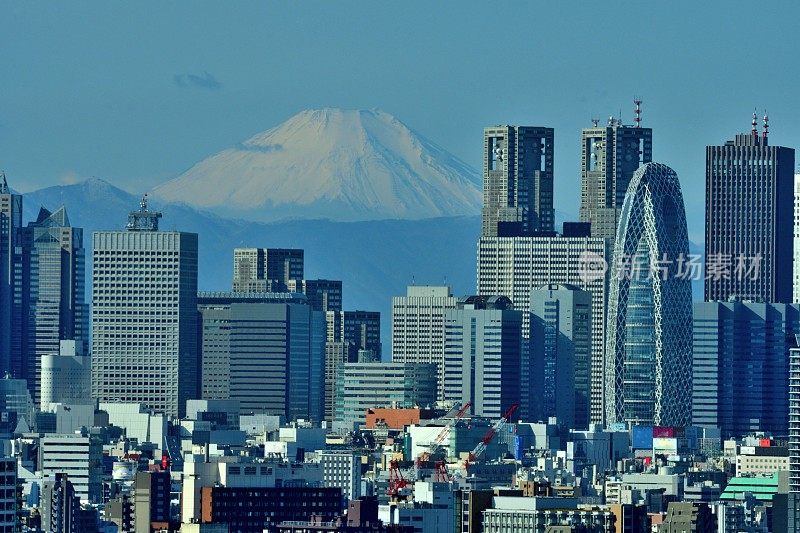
(610, 155)
(649, 345)
(483, 353)
(749, 210)
(80, 457)
(362, 386)
(322, 294)
(741, 366)
(517, 181)
(60, 505)
(66, 377)
(794, 439)
(266, 269)
(514, 266)
(352, 336)
(265, 350)
(796, 242)
(418, 327)
(151, 493)
(8, 493)
(144, 315)
(10, 276)
(561, 353)
(53, 273)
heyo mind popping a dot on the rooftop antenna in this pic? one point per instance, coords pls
(637, 112)
(3, 183)
(413, 280)
(755, 124)
(766, 124)
(595, 121)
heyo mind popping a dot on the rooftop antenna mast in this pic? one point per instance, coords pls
(766, 124)
(755, 124)
(637, 111)
(595, 121)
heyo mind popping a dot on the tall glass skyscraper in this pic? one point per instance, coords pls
(10, 280)
(53, 303)
(749, 206)
(649, 343)
(741, 366)
(144, 315)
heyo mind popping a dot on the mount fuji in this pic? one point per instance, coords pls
(342, 165)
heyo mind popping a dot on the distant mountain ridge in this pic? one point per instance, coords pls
(375, 259)
(343, 165)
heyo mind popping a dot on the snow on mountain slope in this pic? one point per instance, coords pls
(331, 163)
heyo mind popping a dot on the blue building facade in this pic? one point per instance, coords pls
(648, 348)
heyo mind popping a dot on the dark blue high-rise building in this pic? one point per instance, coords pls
(741, 366)
(10, 280)
(749, 211)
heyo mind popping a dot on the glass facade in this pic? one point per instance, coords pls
(649, 343)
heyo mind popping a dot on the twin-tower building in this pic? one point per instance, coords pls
(630, 253)
(638, 350)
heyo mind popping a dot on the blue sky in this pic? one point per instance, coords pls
(137, 92)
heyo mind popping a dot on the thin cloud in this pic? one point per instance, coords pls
(204, 81)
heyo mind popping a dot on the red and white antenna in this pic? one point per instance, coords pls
(755, 124)
(637, 118)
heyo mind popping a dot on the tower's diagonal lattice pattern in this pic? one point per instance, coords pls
(649, 350)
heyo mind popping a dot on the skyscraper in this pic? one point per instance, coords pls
(517, 180)
(418, 326)
(741, 366)
(352, 336)
(609, 157)
(266, 269)
(265, 350)
(10, 280)
(796, 242)
(561, 353)
(322, 294)
(144, 315)
(52, 291)
(483, 353)
(514, 266)
(794, 439)
(749, 211)
(649, 343)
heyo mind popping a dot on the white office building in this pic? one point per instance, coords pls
(341, 469)
(79, 456)
(144, 315)
(66, 377)
(418, 327)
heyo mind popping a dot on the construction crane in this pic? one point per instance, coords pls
(480, 448)
(441, 474)
(396, 480)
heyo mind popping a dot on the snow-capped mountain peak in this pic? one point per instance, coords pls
(331, 163)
